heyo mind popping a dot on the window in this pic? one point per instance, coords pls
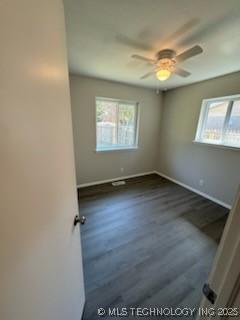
(116, 124)
(219, 122)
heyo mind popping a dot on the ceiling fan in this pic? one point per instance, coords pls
(166, 62)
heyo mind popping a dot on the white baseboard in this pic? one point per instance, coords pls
(94, 183)
(205, 195)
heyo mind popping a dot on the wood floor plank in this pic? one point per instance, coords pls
(147, 243)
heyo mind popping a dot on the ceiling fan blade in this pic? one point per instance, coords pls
(181, 72)
(136, 56)
(148, 75)
(189, 53)
(133, 43)
(208, 30)
(186, 27)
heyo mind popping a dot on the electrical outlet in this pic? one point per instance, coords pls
(201, 182)
(122, 170)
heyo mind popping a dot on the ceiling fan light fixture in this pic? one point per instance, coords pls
(166, 62)
(163, 74)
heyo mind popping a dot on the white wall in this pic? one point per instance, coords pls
(187, 162)
(40, 268)
(92, 166)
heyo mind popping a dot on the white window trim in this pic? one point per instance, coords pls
(137, 120)
(203, 118)
(214, 145)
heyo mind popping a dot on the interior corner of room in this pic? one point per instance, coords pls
(167, 128)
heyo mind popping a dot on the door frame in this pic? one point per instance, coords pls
(228, 287)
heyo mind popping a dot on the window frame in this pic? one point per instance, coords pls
(137, 120)
(203, 119)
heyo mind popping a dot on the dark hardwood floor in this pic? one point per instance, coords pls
(147, 243)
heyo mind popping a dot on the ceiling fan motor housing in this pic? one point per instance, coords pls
(166, 54)
(166, 59)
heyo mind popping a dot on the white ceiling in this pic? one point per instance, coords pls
(103, 34)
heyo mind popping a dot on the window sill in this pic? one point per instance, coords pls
(221, 146)
(116, 149)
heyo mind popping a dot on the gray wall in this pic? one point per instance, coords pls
(188, 162)
(92, 166)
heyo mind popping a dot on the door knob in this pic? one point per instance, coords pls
(78, 219)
